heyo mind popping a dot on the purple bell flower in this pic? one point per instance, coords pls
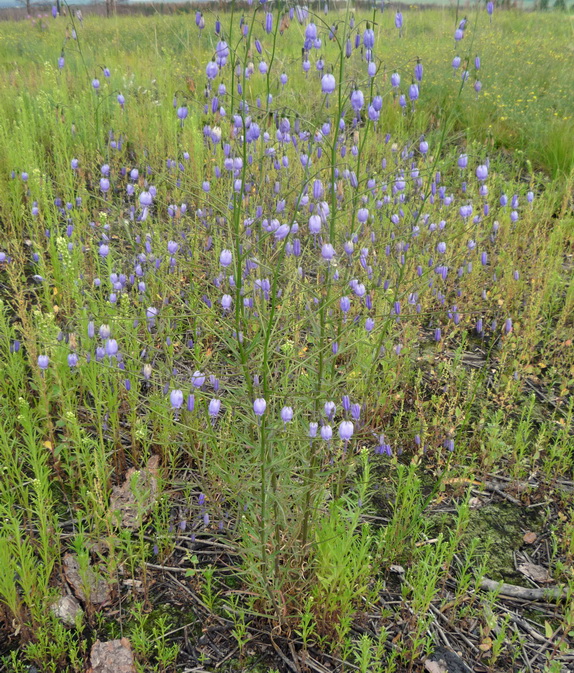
(197, 379)
(327, 251)
(145, 199)
(111, 347)
(315, 224)
(348, 49)
(214, 407)
(326, 433)
(259, 406)
(357, 100)
(311, 32)
(419, 71)
(346, 430)
(225, 258)
(176, 399)
(328, 83)
(369, 37)
(363, 215)
(330, 409)
(374, 114)
(211, 70)
(482, 172)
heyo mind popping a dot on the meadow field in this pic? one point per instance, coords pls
(286, 341)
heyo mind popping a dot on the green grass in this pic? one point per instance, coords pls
(266, 530)
(526, 103)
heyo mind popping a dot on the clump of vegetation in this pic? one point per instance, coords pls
(285, 300)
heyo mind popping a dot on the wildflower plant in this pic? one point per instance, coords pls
(225, 285)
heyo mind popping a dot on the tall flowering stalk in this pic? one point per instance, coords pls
(399, 292)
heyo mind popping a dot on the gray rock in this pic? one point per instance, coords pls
(112, 656)
(66, 609)
(445, 661)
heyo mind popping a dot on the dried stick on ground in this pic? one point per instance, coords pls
(555, 593)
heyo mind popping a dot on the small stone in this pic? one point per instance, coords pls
(535, 572)
(530, 537)
(132, 501)
(112, 656)
(66, 609)
(445, 661)
(399, 570)
(435, 666)
(87, 585)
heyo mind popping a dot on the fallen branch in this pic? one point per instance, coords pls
(494, 488)
(554, 593)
